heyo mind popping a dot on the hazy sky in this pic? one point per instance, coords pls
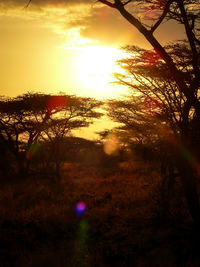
(63, 45)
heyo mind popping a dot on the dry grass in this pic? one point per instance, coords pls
(40, 227)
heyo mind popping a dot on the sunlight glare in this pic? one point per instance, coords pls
(95, 67)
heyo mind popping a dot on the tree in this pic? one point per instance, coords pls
(21, 121)
(168, 80)
(145, 130)
(185, 12)
(79, 112)
(26, 119)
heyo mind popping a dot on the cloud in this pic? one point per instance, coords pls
(85, 18)
(106, 25)
(9, 4)
(99, 23)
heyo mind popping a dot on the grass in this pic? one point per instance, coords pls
(39, 226)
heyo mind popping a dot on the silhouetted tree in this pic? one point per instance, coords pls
(21, 121)
(177, 65)
(79, 112)
(145, 132)
(26, 119)
(185, 12)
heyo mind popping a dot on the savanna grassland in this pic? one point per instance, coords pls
(131, 197)
(122, 224)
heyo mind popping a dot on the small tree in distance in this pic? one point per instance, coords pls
(79, 112)
(27, 119)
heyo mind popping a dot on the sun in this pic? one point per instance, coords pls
(95, 66)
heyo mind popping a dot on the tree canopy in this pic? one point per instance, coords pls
(27, 119)
(168, 77)
(166, 81)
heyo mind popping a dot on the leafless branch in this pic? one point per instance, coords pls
(27, 5)
(166, 9)
(127, 2)
(105, 2)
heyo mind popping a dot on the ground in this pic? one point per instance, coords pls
(120, 226)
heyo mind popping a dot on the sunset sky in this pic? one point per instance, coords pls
(65, 46)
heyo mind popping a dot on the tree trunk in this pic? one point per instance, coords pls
(21, 168)
(168, 180)
(188, 179)
(58, 176)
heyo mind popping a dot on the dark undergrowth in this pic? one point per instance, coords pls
(120, 227)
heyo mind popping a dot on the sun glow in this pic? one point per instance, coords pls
(95, 67)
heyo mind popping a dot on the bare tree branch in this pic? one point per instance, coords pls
(127, 2)
(107, 3)
(166, 9)
(27, 5)
(191, 41)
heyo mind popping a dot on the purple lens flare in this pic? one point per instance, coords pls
(80, 208)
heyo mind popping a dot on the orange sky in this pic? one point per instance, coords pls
(61, 46)
(41, 46)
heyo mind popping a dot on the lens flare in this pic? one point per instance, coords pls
(154, 9)
(81, 252)
(111, 144)
(151, 106)
(83, 227)
(80, 208)
(151, 58)
(56, 103)
(33, 150)
(151, 103)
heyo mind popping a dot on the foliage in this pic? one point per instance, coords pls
(30, 118)
(166, 80)
(79, 112)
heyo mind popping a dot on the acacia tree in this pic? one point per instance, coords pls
(171, 74)
(21, 120)
(154, 99)
(150, 119)
(79, 112)
(187, 13)
(25, 119)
